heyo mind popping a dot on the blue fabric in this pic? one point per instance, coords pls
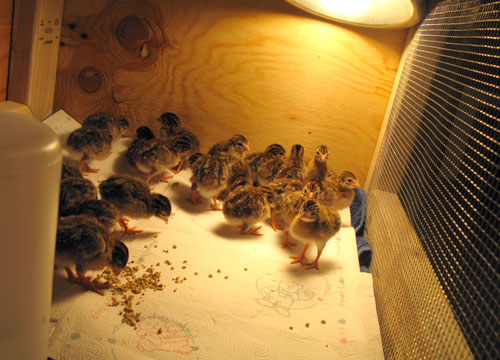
(358, 214)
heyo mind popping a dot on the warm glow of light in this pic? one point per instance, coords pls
(374, 13)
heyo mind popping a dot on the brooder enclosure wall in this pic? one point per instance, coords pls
(433, 201)
(261, 68)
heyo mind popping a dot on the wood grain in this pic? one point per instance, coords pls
(33, 61)
(261, 68)
(5, 30)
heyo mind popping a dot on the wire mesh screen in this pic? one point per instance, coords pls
(433, 216)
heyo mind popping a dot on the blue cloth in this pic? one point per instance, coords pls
(358, 214)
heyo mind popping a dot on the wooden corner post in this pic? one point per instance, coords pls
(36, 31)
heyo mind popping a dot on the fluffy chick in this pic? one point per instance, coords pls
(294, 167)
(209, 177)
(73, 192)
(86, 144)
(246, 205)
(133, 197)
(314, 223)
(83, 241)
(235, 146)
(281, 188)
(291, 204)
(171, 127)
(257, 159)
(339, 191)
(153, 156)
(317, 166)
(107, 214)
(116, 126)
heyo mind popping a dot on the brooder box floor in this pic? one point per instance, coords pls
(225, 295)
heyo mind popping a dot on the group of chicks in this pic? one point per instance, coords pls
(247, 187)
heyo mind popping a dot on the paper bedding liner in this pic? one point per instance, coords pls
(226, 295)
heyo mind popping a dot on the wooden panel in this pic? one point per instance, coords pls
(257, 67)
(33, 62)
(5, 28)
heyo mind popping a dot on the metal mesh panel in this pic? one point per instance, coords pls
(433, 214)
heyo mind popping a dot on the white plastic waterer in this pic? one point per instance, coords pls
(30, 170)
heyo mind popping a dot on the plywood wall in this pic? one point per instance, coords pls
(5, 30)
(257, 67)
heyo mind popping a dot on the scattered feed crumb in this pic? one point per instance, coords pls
(209, 275)
(226, 277)
(159, 331)
(157, 264)
(196, 272)
(174, 246)
(291, 327)
(155, 236)
(183, 267)
(307, 325)
(245, 269)
(185, 261)
(156, 246)
(218, 270)
(172, 268)
(323, 321)
(168, 262)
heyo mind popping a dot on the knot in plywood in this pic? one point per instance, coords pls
(136, 36)
(90, 79)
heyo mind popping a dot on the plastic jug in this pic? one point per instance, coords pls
(30, 170)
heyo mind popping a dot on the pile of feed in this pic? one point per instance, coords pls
(126, 286)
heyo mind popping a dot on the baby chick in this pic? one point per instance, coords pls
(257, 159)
(69, 170)
(281, 188)
(86, 144)
(290, 206)
(116, 126)
(294, 167)
(171, 127)
(73, 192)
(246, 205)
(107, 214)
(317, 166)
(314, 223)
(83, 241)
(133, 197)
(339, 192)
(236, 146)
(153, 156)
(209, 177)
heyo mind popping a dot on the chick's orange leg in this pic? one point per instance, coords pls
(128, 230)
(251, 231)
(215, 205)
(71, 276)
(90, 285)
(301, 258)
(178, 168)
(195, 197)
(273, 220)
(314, 264)
(287, 242)
(85, 168)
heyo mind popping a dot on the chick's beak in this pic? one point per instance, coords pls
(246, 148)
(165, 219)
(117, 270)
(356, 184)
